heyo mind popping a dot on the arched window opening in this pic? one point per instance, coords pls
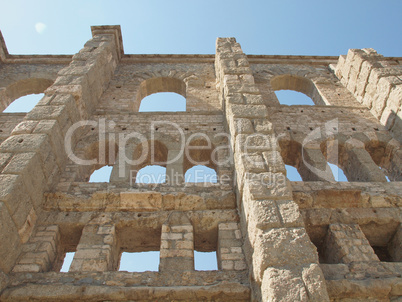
(163, 102)
(24, 104)
(205, 261)
(201, 174)
(140, 261)
(339, 175)
(296, 84)
(68, 259)
(101, 175)
(151, 175)
(292, 174)
(290, 97)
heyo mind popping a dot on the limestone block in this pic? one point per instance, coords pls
(242, 125)
(256, 142)
(282, 247)
(283, 284)
(261, 214)
(27, 143)
(253, 99)
(229, 252)
(314, 281)
(10, 240)
(263, 126)
(28, 165)
(248, 111)
(289, 213)
(274, 162)
(25, 127)
(267, 186)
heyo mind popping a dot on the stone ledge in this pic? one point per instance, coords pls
(116, 286)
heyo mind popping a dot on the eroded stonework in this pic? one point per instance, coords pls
(275, 239)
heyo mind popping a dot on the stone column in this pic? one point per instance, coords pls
(174, 170)
(284, 262)
(314, 166)
(177, 244)
(34, 154)
(359, 165)
(229, 252)
(374, 83)
(346, 243)
(97, 249)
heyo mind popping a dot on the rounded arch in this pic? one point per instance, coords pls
(159, 84)
(299, 84)
(22, 88)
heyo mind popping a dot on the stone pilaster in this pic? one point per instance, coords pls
(278, 248)
(346, 243)
(230, 252)
(375, 83)
(177, 244)
(96, 250)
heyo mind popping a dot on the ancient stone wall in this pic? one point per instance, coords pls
(275, 240)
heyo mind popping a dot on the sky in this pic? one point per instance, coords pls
(185, 27)
(191, 27)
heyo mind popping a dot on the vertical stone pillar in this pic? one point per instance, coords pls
(96, 250)
(346, 243)
(174, 169)
(284, 262)
(314, 166)
(177, 244)
(39, 139)
(375, 84)
(40, 251)
(359, 165)
(229, 252)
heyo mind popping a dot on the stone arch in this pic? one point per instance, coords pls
(159, 84)
(22, 88)
(297, 83)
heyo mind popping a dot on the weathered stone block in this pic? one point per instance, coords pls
(282, 247)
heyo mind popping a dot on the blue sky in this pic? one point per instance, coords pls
(186, 27)
(262, 27)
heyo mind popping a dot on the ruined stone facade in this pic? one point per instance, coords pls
(276, 240)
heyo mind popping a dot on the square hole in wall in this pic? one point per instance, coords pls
(205, 261)
(140, 261)
(70, 236)
(139, 248)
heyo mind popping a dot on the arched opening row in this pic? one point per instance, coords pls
(152, 163)
(338, 162)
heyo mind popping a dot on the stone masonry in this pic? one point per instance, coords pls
(274, 239)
